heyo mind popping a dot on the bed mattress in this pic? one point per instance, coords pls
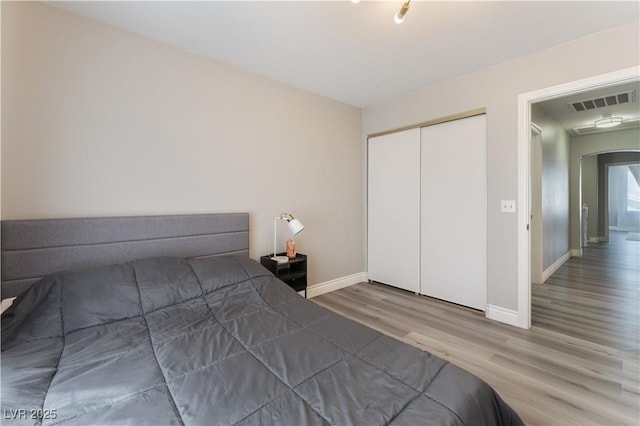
(215, 341)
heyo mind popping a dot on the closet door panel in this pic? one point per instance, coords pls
(454, 212)
(394, 209)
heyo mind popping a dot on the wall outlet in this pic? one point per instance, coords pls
(508, 206)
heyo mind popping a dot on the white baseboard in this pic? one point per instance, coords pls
(556, 265)
(337, 284)
(595, 239)
(576, 252)
(495, 313)
(503, 315)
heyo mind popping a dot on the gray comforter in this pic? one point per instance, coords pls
(215, 341)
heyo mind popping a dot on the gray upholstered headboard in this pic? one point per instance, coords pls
(32, 249)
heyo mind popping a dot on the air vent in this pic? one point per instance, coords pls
(603, 101)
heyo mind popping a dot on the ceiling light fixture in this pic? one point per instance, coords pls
(403, 11)
(608, 121)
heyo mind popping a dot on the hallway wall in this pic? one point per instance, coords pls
(555, 186)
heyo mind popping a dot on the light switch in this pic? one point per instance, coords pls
(508, 206)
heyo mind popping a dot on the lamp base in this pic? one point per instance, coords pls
(280, 259)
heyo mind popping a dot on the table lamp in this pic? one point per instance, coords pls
(295, 227)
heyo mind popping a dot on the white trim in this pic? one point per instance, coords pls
(537, 129)
(576, 252)
(524, 130)
(524, 276)
(595, 239)
(556, 265)
(538, 273)
(503, 315)
(337, 284)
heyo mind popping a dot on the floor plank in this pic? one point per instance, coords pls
(578, 364)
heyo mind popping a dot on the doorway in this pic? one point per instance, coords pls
(610, 194)
(624, 197)
(525, 101)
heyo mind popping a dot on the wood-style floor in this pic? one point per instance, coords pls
(595, 297)
(577, 365)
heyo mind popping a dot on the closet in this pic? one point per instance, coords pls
(394, 209)
(427, 210)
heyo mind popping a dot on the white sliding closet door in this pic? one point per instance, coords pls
(394, 209)
(454, 212)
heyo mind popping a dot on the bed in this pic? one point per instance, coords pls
(166, 320)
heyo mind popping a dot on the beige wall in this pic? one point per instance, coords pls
(497, 89)
(555, 187)
(97, 121)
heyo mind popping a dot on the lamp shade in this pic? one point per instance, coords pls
(295, 226)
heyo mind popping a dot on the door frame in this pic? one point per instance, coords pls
(536, 242)
(524, 130)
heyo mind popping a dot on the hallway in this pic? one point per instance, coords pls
(595, 297)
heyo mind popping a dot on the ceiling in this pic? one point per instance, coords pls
(582, 122)
(355, 53)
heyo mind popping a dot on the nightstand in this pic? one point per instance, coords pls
(293, 273)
